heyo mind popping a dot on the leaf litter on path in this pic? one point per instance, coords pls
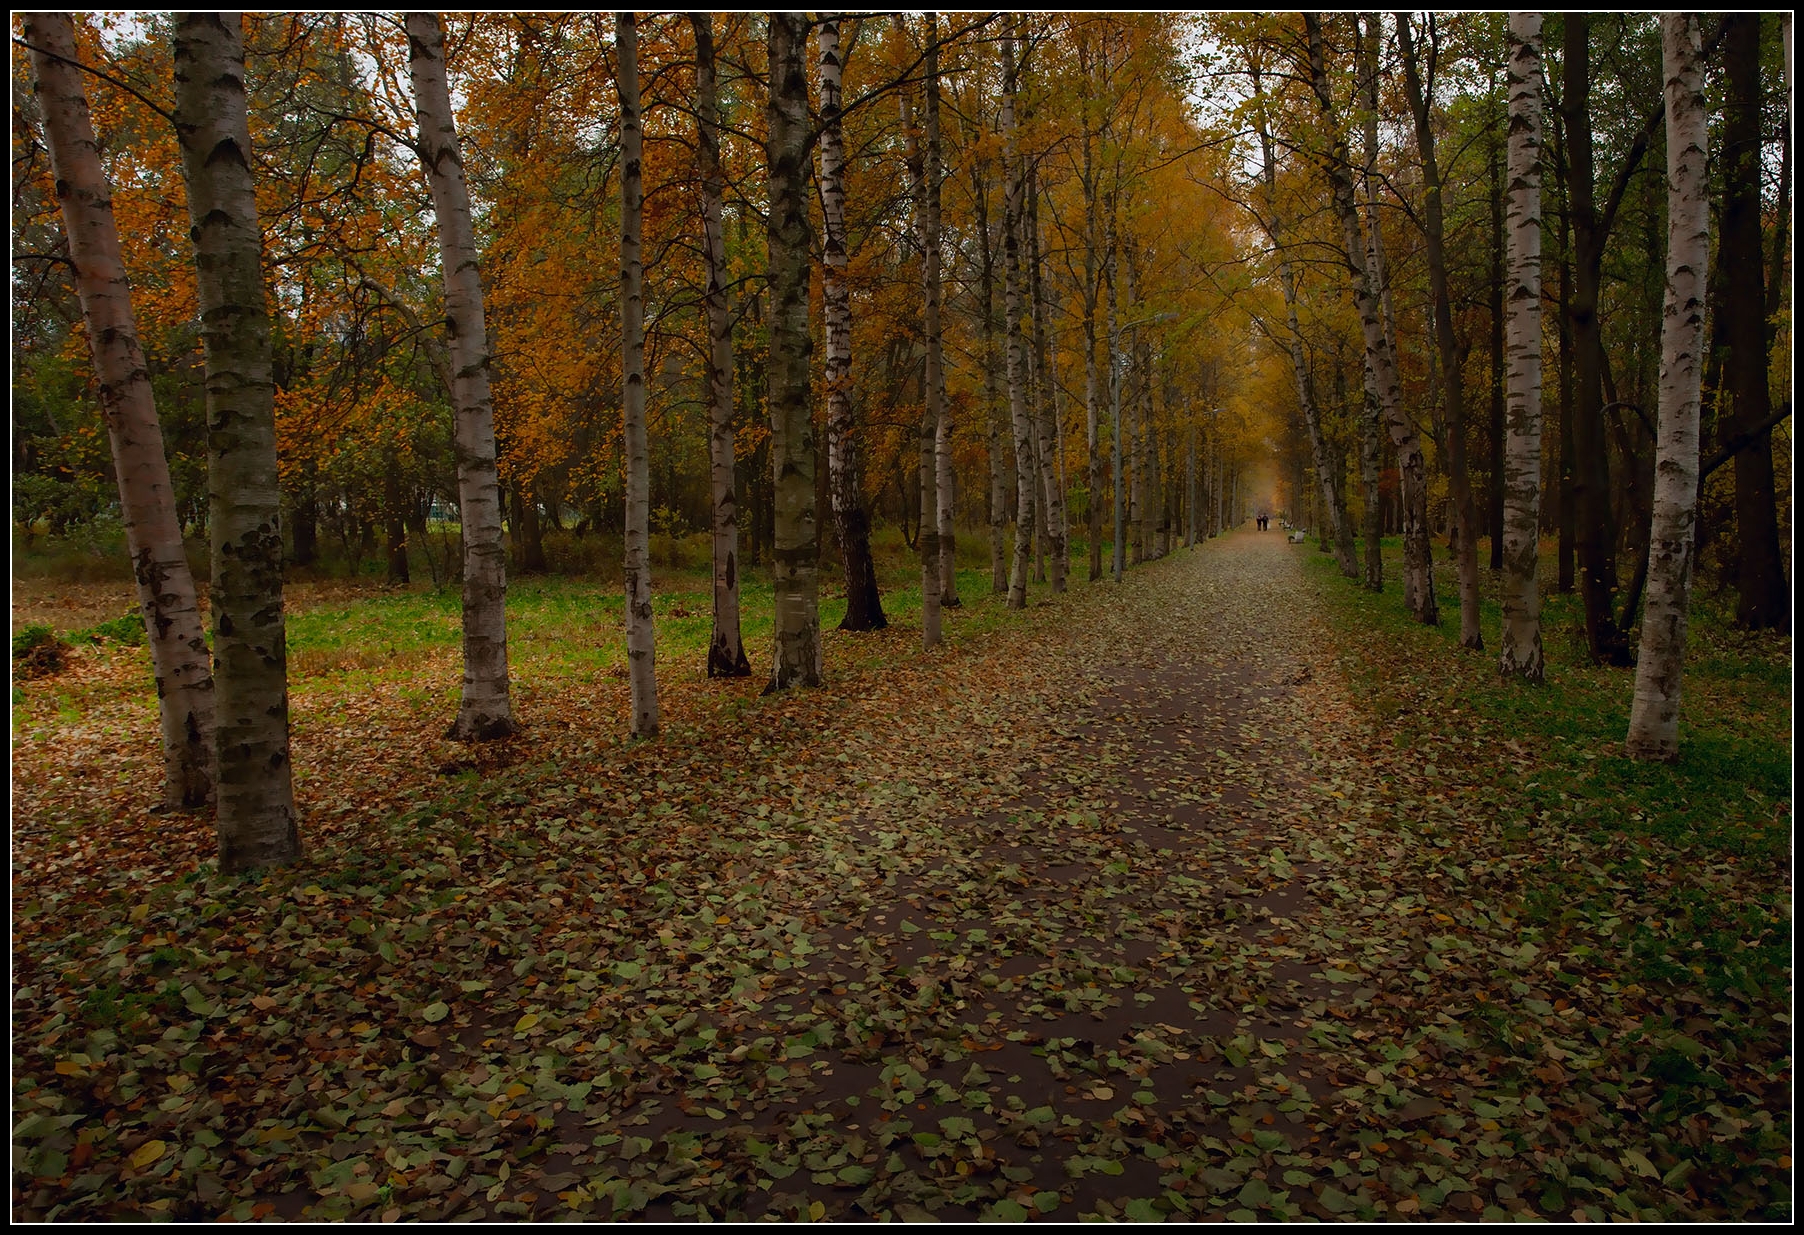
(1126, 909)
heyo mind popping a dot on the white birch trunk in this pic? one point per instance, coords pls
(1654, 716)
(1052, 492)
(254, 787)
(796, 656)
(1381, 361)
(926, 228)
(944, 486)
(1418, 572)
(485, 711)
(992, 403)
(864, 605)
(1019, 419)
(641, 643)
(726, 646)
(1464, 513)
(1130, 413)
(1118, 490)
(1519, 648)
(1190, 487)
(1146, 457)
(1092, 392)
(153, 533)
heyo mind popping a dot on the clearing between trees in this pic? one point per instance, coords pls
(1148, 902)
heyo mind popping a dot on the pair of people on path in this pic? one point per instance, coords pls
(1264, 521)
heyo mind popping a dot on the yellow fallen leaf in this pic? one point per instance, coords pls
(526, 1022)
(147, 1153)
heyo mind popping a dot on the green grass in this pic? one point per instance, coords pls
(1553, 762)
(1733, 774)
(558, 622)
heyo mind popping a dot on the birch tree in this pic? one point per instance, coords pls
(1051, 498)
(1111, 330)
(1091, 289)
(939, 567)
(726, 647)
(1380, 351)
(796, 626)
(153, 533)
(994, 426)
(641, 650)
(1371, 416)
(1654, 717)
(1019, 419)
(864, 605)
(1520, 653)
(1452, 354)
(485, 711)
(926, 230)
(253, 789)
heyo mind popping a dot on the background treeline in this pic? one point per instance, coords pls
(1603, 204)
(1106, 123)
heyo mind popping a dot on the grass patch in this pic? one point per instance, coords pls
(1729, 791)
(1705, 838)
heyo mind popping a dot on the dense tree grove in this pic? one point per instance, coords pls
(1378, 274)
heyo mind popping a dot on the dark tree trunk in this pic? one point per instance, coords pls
(1495, 521)
(1452, 353)
(306, 525)
(1563, 481)
(1764, 602)
(395, 518)
(844, 473)
(1594, 520)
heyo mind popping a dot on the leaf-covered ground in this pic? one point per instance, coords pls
(1132, 906)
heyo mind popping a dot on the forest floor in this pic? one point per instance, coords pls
(1190, 897)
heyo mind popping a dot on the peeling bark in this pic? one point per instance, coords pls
(1019, 418)
(485, 711)
(1363, 260)
(726, 647)
(1520, 652)
(993, 427)
(1052, 492)
(253, 788)
(1654, 716)
(153, 532)
(795, 549)
(641, 642)
(923, 171)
